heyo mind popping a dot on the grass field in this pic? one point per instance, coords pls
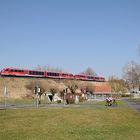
(137, 100)
(70, 124)
(32, 101)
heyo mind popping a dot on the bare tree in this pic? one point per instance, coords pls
(73, 86)
(86, 87)
(54, 89)
(48, 68)
(117, 85)
(89, 71)
(50, 86)
(32, 85)
(132, 74)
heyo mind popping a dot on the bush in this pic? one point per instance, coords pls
(82, 99)
(71, 101)
(58, 101)
(123, 95)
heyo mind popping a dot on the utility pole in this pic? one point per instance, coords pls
(37, 91)
(65, 93)
(132, 75)
(5, 97)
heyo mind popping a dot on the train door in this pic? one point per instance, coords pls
(26, 72)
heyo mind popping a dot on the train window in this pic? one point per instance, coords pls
(97, 78)
(41, 73)
(31, 72)
(89, 77)
(20, 70)
(6, 70)
(82, 76)
(35, 72)
(14, 70)
(52, 74)
(49, 74)
(63, 74)
(57, 74)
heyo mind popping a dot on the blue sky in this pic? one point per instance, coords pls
(70, 34)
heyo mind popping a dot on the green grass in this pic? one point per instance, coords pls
(21, 101)
(137, 100)
(33, 101)
(70, 124)
(103, 103)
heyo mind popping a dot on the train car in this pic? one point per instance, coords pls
(59, 75)
(99, 79)
(13, 72)
(36, 73)
(80, 77)
(55, 75)
(89, 78)
(22, 72)
(66, 76)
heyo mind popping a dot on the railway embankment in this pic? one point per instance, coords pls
(18, 87)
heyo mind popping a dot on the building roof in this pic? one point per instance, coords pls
(102, 89)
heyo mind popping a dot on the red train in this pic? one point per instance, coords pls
(46, 74)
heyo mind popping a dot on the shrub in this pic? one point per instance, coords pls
(81, 99)
(71, 100)
(58, 101)
(123, 95)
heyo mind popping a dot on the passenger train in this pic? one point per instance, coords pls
(46, 74)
